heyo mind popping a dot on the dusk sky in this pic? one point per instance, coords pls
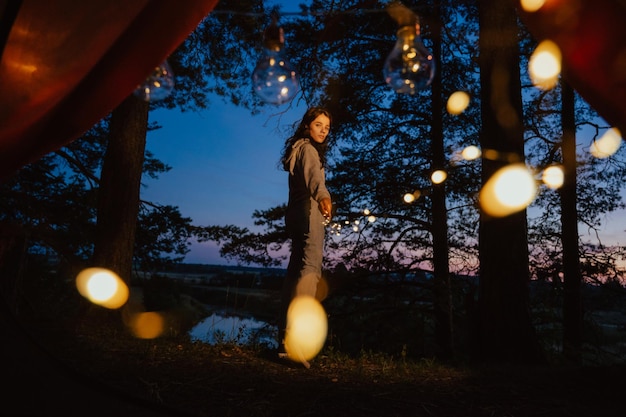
(224, 166)
(224, 162)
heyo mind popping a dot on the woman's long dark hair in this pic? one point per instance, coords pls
(303, 131)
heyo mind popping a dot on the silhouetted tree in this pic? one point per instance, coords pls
(572, 297)
(505, 330)
(118, 194)
(202, 56)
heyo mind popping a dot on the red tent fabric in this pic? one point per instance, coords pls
(592, 37)
(68, 63)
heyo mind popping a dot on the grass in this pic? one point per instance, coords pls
(231, 379)
(227, 379)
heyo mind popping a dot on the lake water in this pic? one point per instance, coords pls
(226, 328)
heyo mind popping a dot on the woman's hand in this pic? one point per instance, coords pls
(326, 208)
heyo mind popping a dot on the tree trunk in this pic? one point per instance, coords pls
(572, 300)
(441, 281)
(120, 181)
(505, 331)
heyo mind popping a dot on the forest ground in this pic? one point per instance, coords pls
(61, 358)
(92, 368)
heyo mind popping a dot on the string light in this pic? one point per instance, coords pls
(273, 79)
(509, 190)
(607, 144)
(409, 67)
(471, 152)
(158, 85)
(532, 5)
(457, 102)
(438, 176)
(544, 66)
(553, 176)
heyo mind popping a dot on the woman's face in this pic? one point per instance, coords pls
(319, 128)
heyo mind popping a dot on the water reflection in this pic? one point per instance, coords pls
(228, 328)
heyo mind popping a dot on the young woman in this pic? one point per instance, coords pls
(309, 208)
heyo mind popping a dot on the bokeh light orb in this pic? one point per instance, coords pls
(607, 144)
(147, 325)
(511, 189)
(307, 327)
(471, 152)
(544, 66)
(438, 176)
(457, 102)
(553, 176)
(408, 198)
(102, 287)
(532, 5)
(158, 85)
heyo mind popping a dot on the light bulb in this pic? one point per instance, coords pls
(158, 85)
(409, 66)
(273, 78)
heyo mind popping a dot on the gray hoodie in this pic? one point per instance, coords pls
(306, 174)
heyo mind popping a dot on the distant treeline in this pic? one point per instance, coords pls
(190, 268)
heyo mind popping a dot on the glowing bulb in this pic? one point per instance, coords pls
(273, 79)
(147, 325)
(532, 5)
(158, 85)
(509, 190)
(553, 176)
(307, 327)
(470, 153)
(607, 145)
(544, 65)
(457, 102)
(102, 287)
(438, 176)
(409, 66)
(411, 197)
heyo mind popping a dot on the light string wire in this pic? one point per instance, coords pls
(303, 13)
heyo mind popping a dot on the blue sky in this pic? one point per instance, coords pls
(224, 165)
(224, 162)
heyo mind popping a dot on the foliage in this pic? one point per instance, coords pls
(380, 151)
(251, 248)
(381, 146)
(54, 199)
(381, 139)
(173, 375)
(218, 57)
(161, 230)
